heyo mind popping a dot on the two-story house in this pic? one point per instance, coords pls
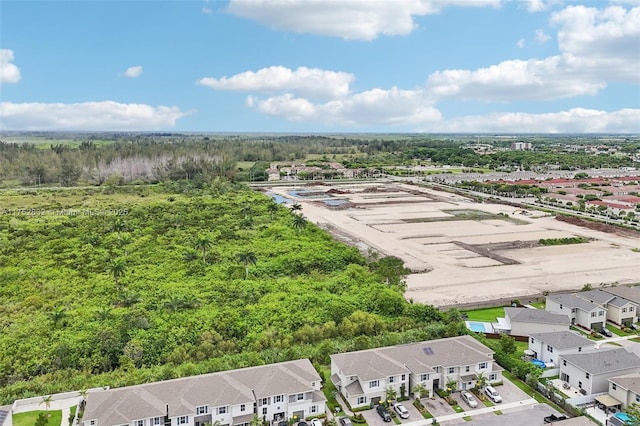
(590, 371)
(619, 310)
(625, 389)
(270, 392)
(524, 321)
(363, 377)
(548, 347)
(632, 295)
(581, 312)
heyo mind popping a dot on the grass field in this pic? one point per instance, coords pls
(487, 314)
(29, 418)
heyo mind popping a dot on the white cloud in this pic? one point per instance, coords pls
(520, 43)
(9, 73)
(349, 19)
(375, 107)
(512, 80)
(105, 115)
(576, 120)
(602, 42)
(133, 72)
(535, 5)
(309, 82)
(541, 37)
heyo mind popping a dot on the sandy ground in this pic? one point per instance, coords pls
(404, 223)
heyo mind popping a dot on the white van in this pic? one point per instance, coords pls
(493, 394)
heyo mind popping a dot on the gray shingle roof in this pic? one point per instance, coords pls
(569, 300)
(418, 358)
(629, 293)
(604, 361)
(123, 405)
(596, 296)
(562, 339)
(630, 382)
(536, 316)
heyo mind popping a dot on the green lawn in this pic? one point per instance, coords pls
(29, 418)
(486, 314)
(329, 390)
(617, 331)
(539, 305)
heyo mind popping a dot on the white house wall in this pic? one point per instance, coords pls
(526, 328)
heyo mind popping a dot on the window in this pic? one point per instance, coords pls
(93, 422)
(374, 384)
(630, 308)
(531, 339)
(222, 410)
(264, 411)
(564, 362)
(265, 401)
(637, 398)
(549, 348)
(580, 385)
(482, 366)
(362, 400)
(300, 396)
(242, 407)
(392, 379)
(183, 420)
(403, 377)
(452, 370)
(574, 310)
(579, 348)
(278, 398)
(424, 377)
(587, 375)
(139, 422)
(593, 314)
(314, 409)
(467, 368)
(204, 409)
(561, 306)
(492, 376)
(600, 313)
(624, 309)
(158, 421)
(614, 386)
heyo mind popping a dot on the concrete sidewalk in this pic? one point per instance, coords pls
(470, 413)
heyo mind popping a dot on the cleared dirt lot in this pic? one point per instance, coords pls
(447, 240)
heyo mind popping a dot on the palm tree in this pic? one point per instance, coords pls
(419, 390)
(58, 314)
(481, 380)
(390, 394)
(47, 400)
(117, 268)
(83, 394)
(203, 242)
(272, 208)
(118, 226)
(246, 258)
(295, 207)
(299, 222)
(125, 240)
(174, 303)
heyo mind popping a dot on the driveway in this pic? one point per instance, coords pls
(528, 416)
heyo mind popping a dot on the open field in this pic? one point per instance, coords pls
(462, 251)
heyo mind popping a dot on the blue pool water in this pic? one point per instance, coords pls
(538, 363)
(623, 416)
(278, 198)
(478, 327)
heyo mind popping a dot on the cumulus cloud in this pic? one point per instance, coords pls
(601, 41)
(308, 82)
(596, 46)
(373, 107)
(520, 43)
(541, 37)
(98, 116)
(535, 5)
(349, 19)
(576, 120)
(9, 73)
(133, 72)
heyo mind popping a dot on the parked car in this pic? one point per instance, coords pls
(316, 422)
(605, 331)
(553, 418)
(493, 394)
(303, 424)
(634, 326)
(345, 421)
(283, 423)
(469, 399)
(401, 410)
(383, 413)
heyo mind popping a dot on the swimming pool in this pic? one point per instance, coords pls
(623, 416)
(478, 327)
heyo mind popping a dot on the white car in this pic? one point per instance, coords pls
(401, 410)
(469, 399)
(316, 422)
(493, 394)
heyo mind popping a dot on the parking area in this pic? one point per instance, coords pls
(525, 416)
(373, 418)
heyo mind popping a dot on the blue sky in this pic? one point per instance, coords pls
(503, 66)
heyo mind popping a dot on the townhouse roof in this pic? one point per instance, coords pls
(630, 382)
(182, 396)
(596, 296)
(562, 339)
(539, 316)
(604, 361)
(573, 301)
(630, 293)
(418, 358)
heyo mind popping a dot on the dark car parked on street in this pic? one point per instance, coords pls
(383, 413)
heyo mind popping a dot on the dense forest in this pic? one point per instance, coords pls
(115, 286)
(35, 160)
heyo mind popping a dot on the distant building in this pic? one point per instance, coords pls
(521, 146)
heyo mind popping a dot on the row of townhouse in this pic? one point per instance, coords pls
(580, 364)
(363, 377)
(592, 309)
(272, 392)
